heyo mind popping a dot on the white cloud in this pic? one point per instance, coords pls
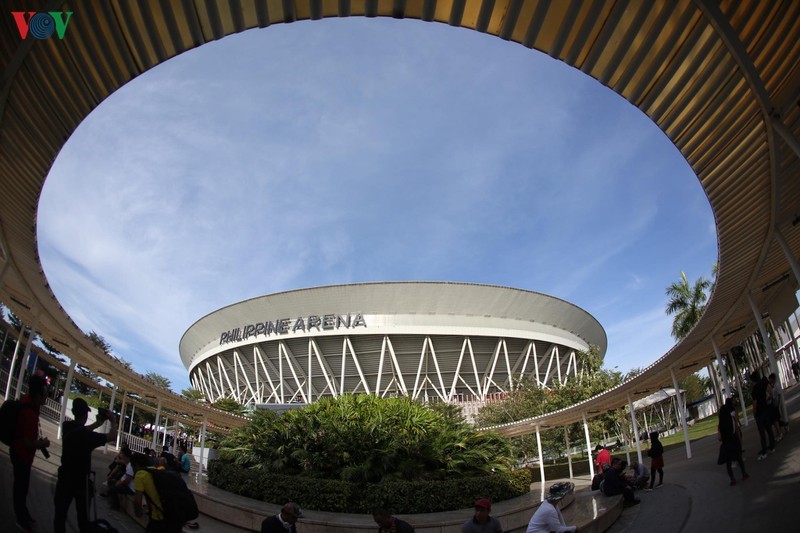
(278, 159)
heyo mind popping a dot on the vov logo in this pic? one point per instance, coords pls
(41, 25)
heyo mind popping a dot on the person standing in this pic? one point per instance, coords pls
(390, 524)
(548, 517)
(481, 521)
(184, 461)
(284, 521)
(76, 462)
(779, 426)
(23, 448)
(656, 455)
(762, 414)
(730, 448)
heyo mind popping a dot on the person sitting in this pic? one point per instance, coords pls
(183, 460)
(482, 522)
(390, 524)
(615, 484)
(548, 517)
(284, 521)
(123, 485)
(640, 474)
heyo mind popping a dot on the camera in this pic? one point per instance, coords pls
(102, 414)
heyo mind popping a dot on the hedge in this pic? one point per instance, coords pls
(404, 497)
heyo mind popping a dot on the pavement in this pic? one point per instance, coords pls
(696, 495)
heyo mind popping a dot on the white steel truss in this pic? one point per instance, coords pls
(441, 368)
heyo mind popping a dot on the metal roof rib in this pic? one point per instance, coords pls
(709, 74)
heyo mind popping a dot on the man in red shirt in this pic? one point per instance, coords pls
(603, 457)
(23, 448)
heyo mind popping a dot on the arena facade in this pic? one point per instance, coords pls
(455, 342)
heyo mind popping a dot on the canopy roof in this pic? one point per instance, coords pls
(721, 79)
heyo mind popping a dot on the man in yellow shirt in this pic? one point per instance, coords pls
(143, 485)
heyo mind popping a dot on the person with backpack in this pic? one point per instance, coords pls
(169, 501)
(25, 442)
(76, 462)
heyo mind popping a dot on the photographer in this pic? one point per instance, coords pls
(76, 462)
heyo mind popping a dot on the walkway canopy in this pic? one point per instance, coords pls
(721, 79)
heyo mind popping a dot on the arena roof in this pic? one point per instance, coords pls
(422, 304)
(721, 79)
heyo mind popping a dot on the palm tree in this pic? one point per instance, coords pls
(687, 303)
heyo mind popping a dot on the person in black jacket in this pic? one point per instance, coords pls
(284, 521)
(730, 448)
(614, 483)
(656, 454)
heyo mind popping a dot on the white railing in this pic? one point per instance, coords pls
(137, 444)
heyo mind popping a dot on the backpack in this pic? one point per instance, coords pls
(177, 501)
(9, 414)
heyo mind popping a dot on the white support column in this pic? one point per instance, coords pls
(793, 339)
(164, 436)
(26, 355)
(107, 424)
(764, 335)
(158, 421)
(725, 383)
(743, 407)
(541, 457)
(202, 446)
(569, 455)
(14, 360)
(588, 446)
(130, 426)
(681, 414)
(635, 429)
(719, 396)
(121, 423)
(65, 395)
(770, 353)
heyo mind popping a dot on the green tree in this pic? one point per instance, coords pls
(230, 405)
(158, 380)
(686, 302)
(99, 342)
(194, 394)
(530, 399)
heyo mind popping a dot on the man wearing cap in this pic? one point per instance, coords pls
(23, 447)
(548, 517)
(481, 522)
(76, 462)
(284, 521)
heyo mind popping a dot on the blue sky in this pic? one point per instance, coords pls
(351, 150)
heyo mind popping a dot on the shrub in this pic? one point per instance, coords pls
(364, 438)
(335, 495)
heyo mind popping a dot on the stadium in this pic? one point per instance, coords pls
(454, 342)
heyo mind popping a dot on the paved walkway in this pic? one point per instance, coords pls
(696, 496)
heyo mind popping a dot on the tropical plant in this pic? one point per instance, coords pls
(687, 303)
(230, 405)
(365, 438)
(158, 380)
(194, 394)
